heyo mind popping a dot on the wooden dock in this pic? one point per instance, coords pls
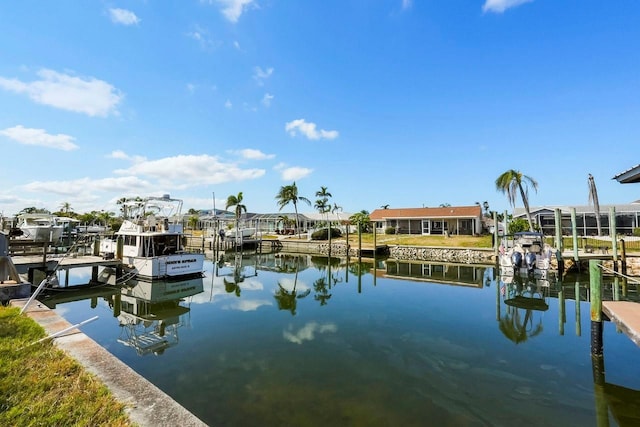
(626, 316)
(25, 263)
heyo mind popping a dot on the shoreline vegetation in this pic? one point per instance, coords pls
(42, 385)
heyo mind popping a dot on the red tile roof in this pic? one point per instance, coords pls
(419, 213)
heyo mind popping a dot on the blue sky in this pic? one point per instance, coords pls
(398, 102)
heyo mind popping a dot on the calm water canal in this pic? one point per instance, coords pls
(291, 340)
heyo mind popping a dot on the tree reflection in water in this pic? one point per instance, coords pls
(288, 300)
(323, 284)
(521, 298)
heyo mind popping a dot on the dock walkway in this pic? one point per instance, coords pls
(626, 316)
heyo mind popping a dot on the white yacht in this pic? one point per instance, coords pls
(152, 240)
(39, 227)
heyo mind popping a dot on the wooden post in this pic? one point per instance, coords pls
(96, 246)
(574, 233)
(623, 257)
(558, 224)
(613, 233)
(119, 247)
(595, 286)
(44, 254)
(375, 242)
(496, 245)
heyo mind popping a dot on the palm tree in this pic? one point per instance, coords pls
(593, 198)
(385, 206)
(485, 205)
(236, 201)
(512, 181)
(289, 194)
(65, 207)
(322, 204)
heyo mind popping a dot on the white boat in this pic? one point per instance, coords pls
(152, 241)
(527, 254)
(244, 233)
(39, 227)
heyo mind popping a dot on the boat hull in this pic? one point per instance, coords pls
(176, 265)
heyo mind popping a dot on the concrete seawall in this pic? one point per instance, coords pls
(406, 253)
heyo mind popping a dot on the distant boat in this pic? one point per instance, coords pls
(528, 254)
(39, 227)
(244, 233)
(153, 241)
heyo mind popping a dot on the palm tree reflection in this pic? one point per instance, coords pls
(288, 299)
(521, 298)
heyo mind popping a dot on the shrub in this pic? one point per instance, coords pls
(323, 234)
(636, 231)
(390, 230)
(520, 224)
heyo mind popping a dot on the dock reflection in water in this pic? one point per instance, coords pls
(367, 343)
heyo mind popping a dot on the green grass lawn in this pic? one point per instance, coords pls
(41, 386)
(419, 240)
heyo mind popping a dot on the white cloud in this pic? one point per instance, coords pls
(29, 136)
(188, 170)
(191, 87)
(201, 35)
(499, 6)
(233, 9)
(89, 96)
(293, 173)
(244, 304)
(260, 75)
(309, 130)
(123, 16)
(307, 332)
(406, 4)
(236, 44)
(119, 154)
(252, 154)
(228, 105)
(266, 99)
(87, 186)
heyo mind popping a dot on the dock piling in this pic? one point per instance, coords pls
(595, 297)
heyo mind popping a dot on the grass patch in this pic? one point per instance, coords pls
(419, 240)
(42, 385)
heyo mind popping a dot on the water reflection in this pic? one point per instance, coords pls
(409, 342)
(525, 298)
(151, 313)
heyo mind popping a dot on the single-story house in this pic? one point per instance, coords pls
(627, 218)
(451, 220)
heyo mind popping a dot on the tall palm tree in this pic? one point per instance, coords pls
(289, 194)
(593, 198)
(236, 201)
(510, 183)
(322, 204)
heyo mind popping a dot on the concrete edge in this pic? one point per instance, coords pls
(147, 405)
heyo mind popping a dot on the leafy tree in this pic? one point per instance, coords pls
(593, 198)
(510, 183)
(362, 220)
(33, 209)
(236, 202)
(485, 206)
(193, 221)
(289, 194)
